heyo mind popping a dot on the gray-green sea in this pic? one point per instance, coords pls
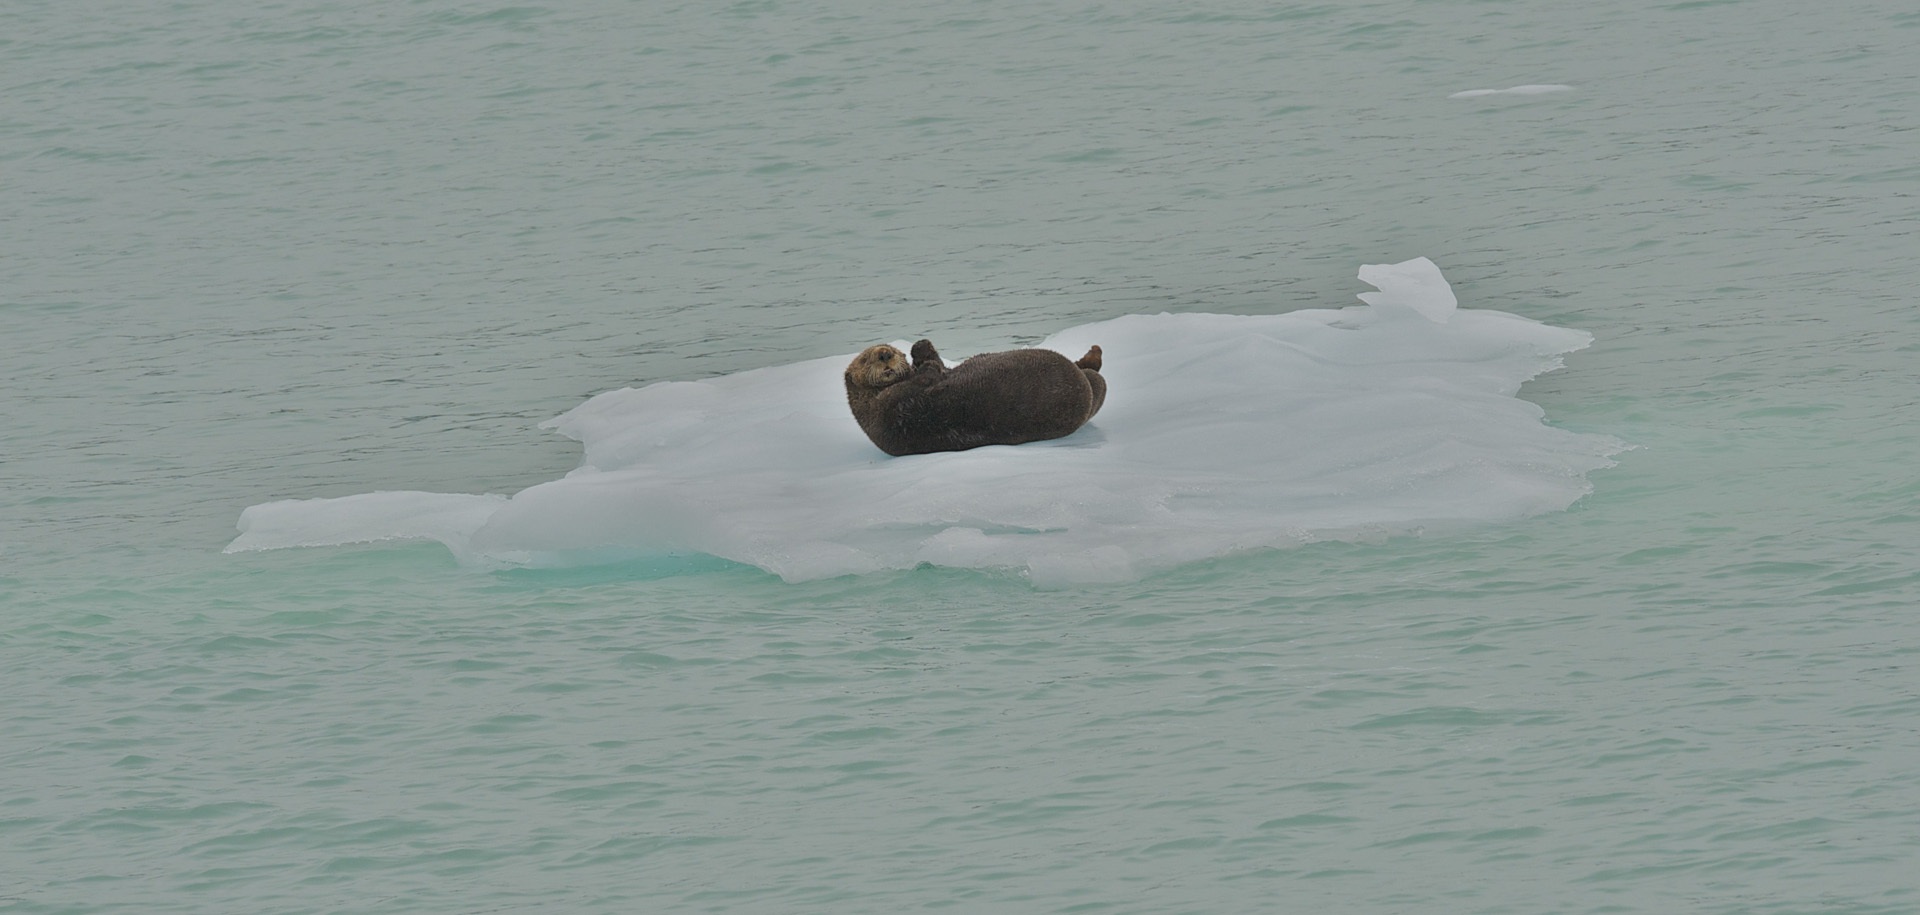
(263, 251)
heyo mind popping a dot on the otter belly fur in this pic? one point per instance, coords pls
(1023, 395)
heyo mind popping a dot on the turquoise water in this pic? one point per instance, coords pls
(268, 252)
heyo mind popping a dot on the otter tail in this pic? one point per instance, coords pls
(1090, 366)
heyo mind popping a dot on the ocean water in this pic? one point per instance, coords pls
(257, 253)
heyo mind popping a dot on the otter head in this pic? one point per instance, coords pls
(877, 367)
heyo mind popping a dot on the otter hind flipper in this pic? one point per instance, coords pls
(1090, 361)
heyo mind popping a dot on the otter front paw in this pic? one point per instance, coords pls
(924, 354)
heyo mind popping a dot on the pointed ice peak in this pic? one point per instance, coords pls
(1415, 284)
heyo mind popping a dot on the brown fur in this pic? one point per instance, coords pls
(1025, 395)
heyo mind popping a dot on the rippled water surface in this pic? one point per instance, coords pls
(258, 252)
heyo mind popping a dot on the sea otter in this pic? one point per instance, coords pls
(1023, 395)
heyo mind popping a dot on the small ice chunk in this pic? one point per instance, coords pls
(1533, 89)
(1415, 284)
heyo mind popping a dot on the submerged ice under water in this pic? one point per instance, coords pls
(1220, 434)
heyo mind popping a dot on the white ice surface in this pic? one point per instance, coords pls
(1516, 90)
(1220, 434)
(447, 517)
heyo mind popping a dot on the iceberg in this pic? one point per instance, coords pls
(1221, 434)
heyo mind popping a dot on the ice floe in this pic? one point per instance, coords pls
(1221, 434)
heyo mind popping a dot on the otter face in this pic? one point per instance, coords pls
(877, 367)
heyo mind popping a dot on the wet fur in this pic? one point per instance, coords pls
(1024, 395)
